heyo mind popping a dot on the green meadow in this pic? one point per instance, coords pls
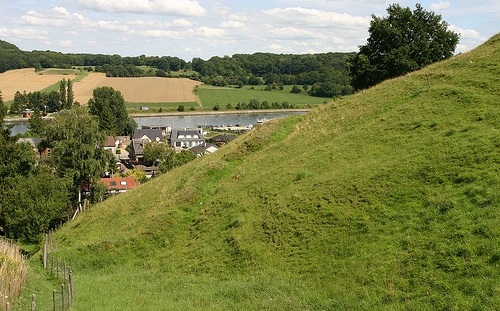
(210, 96)
(384, 200)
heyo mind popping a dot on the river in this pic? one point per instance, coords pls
(193, 120)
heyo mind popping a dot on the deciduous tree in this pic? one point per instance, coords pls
(78, 151)
(109, 107)
(402, 42)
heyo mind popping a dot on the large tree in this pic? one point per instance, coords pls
(109, 107)
(77, 150)
(402, 42)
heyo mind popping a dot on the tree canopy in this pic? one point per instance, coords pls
(109, 107)
(77, 150)
(402, 42)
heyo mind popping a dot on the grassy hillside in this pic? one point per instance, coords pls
(386, 200)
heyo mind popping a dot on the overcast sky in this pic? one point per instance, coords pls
(205, 28)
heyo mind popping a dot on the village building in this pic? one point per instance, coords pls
(186, 138)
(116, 185)
(203, 149)
(37, 148)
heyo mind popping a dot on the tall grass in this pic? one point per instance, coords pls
(13, 272)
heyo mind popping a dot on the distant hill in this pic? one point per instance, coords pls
(385, 200)
(4, 45)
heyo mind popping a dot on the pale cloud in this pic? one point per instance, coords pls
(181, 23)
(65, 43)
(211, 32)
(193, 50)
(32, 34)
(112, 26)
(297, 33)
(160, 33)
(168, 7)
(232, 24)
(440, 6)
(275, 46)
(58, 17)
(467, 33)
(316, 18)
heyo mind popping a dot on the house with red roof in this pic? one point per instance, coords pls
(116, 185)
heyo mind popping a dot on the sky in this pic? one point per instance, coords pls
(206, 28)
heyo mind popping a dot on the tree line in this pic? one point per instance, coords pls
(45, 102)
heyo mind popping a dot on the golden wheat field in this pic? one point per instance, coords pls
(152, 89)
(26, 80)
(146, 90)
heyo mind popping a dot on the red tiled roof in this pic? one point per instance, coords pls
(120, 183)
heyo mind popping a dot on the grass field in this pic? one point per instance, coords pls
(210, 96)
(384, 200)
(160, 107)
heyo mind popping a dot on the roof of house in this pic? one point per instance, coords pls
(187, 134)
(33, 141)
(223, 138)
(120, 183)
(147, 168)
(110, 142)
(202, 148)
(152, 134)
(138, 146)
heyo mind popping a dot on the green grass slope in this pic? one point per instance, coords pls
(385, 200)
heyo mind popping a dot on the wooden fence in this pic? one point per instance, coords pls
(62, 298)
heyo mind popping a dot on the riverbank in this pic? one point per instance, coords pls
(194, 113)
(179, 113)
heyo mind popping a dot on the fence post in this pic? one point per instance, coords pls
(54, 300)
(33, 302)
(45, 250)
(64, 273)
(57, 269)
(62, 298)
(70, 277)
(69, 296)
(7, 306)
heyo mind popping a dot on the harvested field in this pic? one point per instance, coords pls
(139, 90)
(83, 90)
(151, 89)
(26, 80)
